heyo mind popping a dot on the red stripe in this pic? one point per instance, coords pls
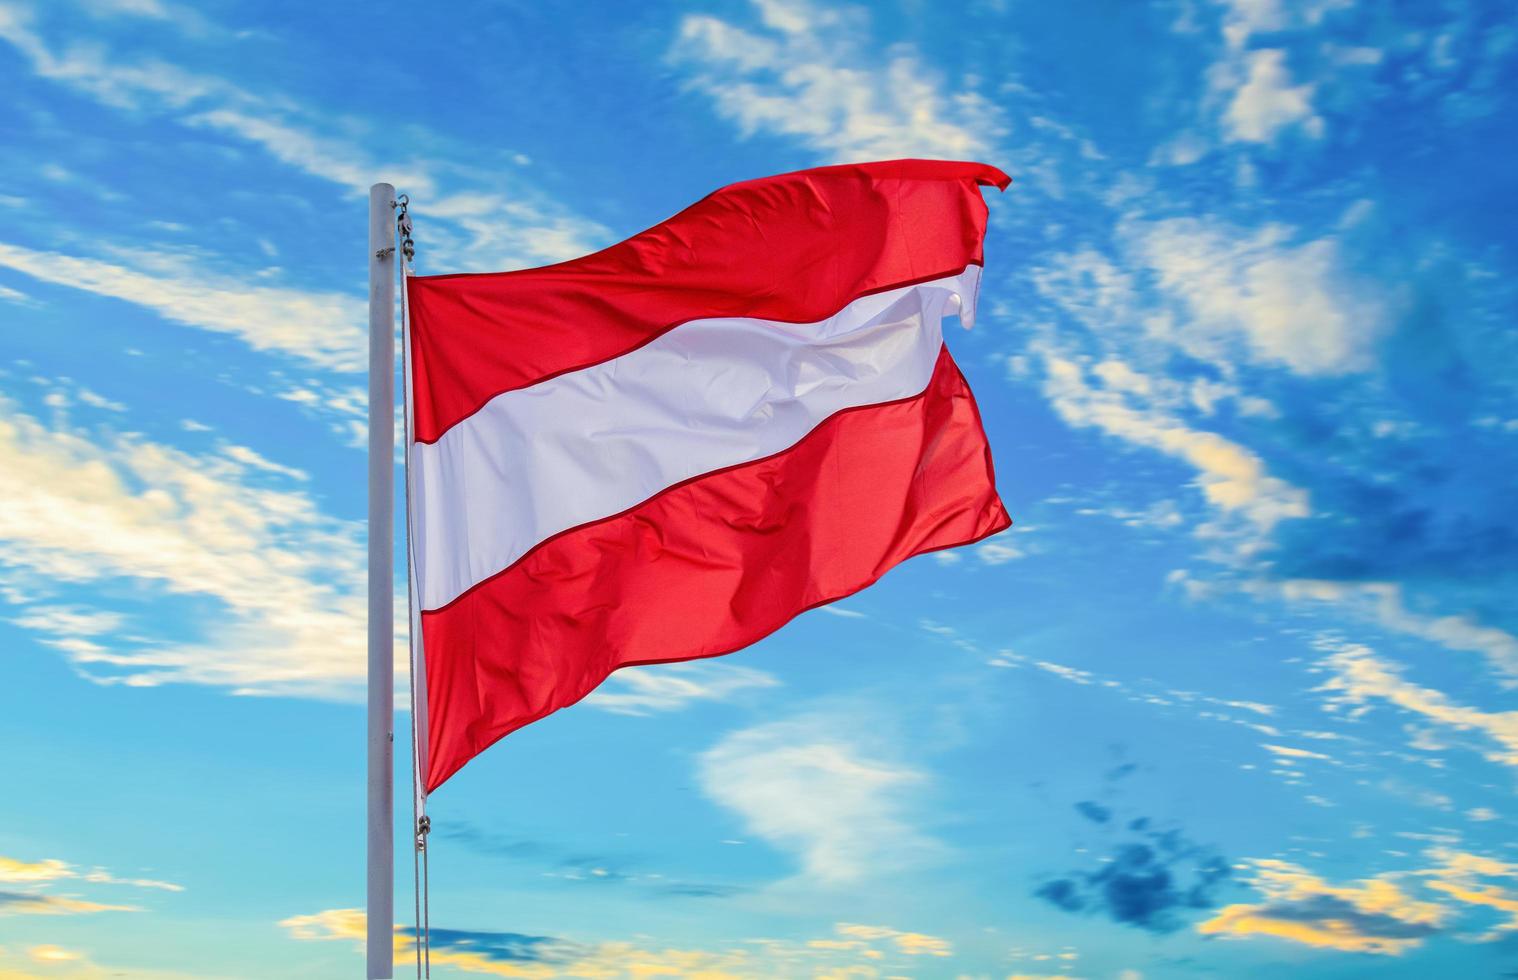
(797, 247)
(709, 567)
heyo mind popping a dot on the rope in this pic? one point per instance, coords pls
(421, 825)
(426, 826)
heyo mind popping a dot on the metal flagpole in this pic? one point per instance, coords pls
(381, 898)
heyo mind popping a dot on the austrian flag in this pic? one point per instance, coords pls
(668, 449)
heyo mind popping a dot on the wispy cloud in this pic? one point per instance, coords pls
(999, 549)
(38, 903)
(1232, 478)
(68, 621)
(287, 577)
(1291, 752)
(320, 328)
(477, 216)
(805, 75)
(14, 871)
(1359, 678)
(670, 687)
(1386, 604)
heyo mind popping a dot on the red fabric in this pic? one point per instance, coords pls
(797, 247)
(710, 565)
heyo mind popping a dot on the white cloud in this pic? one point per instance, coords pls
(344, 408)
(1072, 674)
(1162, 515)
(1223, 294)
(1290, 305)
(810, 787)
(807, 76)
(250, 458)
(1243, 19)
(289, 580)
(1286, 752)
(671, 687)
(312, 152)
(68, 620)
(185, 19)
(86, 68)
(1251, 91)
(999, 549)
(1267, 102)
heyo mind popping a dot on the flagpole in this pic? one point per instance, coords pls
(381, 894)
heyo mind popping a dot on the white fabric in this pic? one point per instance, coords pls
(706, 395)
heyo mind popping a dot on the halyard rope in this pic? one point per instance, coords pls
(420, 824)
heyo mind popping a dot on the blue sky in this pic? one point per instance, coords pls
(1234, 697)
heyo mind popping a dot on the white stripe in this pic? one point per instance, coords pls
(707, 395)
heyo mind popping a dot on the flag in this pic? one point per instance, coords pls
(666, 450)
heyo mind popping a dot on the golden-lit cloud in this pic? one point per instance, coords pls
(48, 953)
(31, 879)
(1459, 875)
(911, 943)
(1388, 914)
(854, 950)
(13, 870)
(1373, 915)
(29, 903)
(1330, 932)
(50, 961)
(1360, 677)
(16, 871)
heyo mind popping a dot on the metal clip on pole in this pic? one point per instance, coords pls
(403, 226)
